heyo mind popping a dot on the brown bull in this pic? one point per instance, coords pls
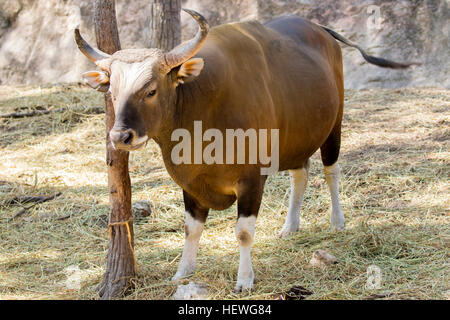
(285, 75)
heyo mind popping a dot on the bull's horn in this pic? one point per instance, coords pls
(91, 53)
(187, 50)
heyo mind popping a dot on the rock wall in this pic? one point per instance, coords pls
(37, 46)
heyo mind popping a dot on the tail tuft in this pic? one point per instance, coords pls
(381, 62)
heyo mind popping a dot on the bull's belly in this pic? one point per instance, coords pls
(212, 188)
(297, 160)
(215, 186)
(297, 152)
(211, 198)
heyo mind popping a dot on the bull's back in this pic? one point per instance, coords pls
(306, 33)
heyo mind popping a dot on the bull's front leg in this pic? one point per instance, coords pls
(195, 221)
(249, 201)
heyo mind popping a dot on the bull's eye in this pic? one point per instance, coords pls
(151, 93)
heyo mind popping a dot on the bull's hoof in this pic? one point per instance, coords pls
(178, 277)
(244, 285)
(286, 231)
(338, 226)
(182, 274)
(337, 221)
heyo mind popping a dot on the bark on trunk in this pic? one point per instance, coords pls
(165, 34)
(165, 26)
(120, 265)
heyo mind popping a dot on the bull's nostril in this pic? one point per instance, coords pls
(119, 137)
(128, 139)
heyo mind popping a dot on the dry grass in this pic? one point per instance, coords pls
(394, 191)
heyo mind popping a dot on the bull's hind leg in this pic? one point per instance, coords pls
(330, 154)
(299, 180)
(195, 221)
(332, 174)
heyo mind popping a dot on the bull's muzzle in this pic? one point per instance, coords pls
(126, 139)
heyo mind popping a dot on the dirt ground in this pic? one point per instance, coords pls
(394, 192)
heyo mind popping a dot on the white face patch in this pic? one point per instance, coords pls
(129, 78)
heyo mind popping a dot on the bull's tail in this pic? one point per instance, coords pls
(370, 59)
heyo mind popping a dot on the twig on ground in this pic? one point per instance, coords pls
(15, 115)
(41, 200)
(379, 296)
(24, 199)
(67, 216)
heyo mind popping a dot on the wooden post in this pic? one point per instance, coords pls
(165, 26)
(165, 34)
(120, 265)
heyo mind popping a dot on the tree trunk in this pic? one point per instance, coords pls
(120, 265)
(165, 26)
(165, 34)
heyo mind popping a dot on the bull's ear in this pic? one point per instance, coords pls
(190, 69)
(97, 79)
